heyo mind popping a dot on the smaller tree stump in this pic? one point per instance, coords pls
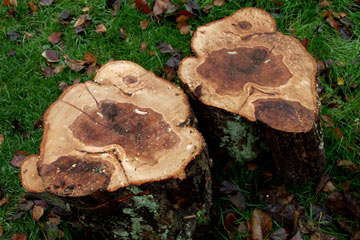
(124, 153)
(244, 67)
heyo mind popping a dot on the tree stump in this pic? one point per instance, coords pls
(245, 71)
(124, 154)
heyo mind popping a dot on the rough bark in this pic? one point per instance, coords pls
(243, 66)
(124, 153)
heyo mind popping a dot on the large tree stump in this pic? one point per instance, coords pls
(124, 153)
(244, 67)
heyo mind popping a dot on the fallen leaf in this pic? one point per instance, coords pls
(329, 187)
(345, 185)
(48, 71)
(59, 68)
(144, 24)
(169, 72)
(14, 3)
(85, 9)
(76, 81)
(323, 181)
(151, 53)
(51, 55)
(46, 2)
(353, 167)
(62, 86)
(261, 224)
(279, 234)
(163, 6)
(74, 65)
(338, 133)
(92, 69)
(1, 231)
(252, 166)
(143, 46)
(267, 173)
(238, 200)
(174, 61)
(82, 20)
(26, 206)
(65, 15)
(33, 7)
(343, 203)
(79, 30)
(192, 7)
(327, 121)
(101, 28)
(37, 212)
(275, 194)
(285, 214)
(38, 124)
(297, 236)
(17, 216)
(4, 200)
(356, 236)
(333, 23)
(54, 38)
(122, 34)
(218, 2)
(28, 35)
(18, 158)
(183, 27)
(142, 6)
(6, 3)
(228, 189)
(166, 48)
(13, 35)
(89, 58)
(325, 3)
(229, 223)
(19, 236)
(307, 226)
(305, 42)
(2, 139)
(340, 81)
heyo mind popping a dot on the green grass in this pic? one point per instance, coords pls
(25, 92)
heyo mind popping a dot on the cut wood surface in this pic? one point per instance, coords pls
(122, 151)
(244, 67)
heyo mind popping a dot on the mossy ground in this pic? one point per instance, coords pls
(25, 92)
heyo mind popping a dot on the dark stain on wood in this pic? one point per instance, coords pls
(230, 69)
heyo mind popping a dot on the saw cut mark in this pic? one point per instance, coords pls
(230, 69)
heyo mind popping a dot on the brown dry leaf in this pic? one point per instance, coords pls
(28, 35)
(89, 58)
(92, 69)
(6, 3)
(76, 81)
(325, 3)
(267, 173)
(4, 200)
(122, 34)
(101, 28)
(19, 236)
(329, 187)
(18, 158)
(144, 24)
(48, 72)
(46, 2)
(327, 121)
(305, 42)
(353, 167)
(261, 224)
(252, 166)
(74, 65)
(33, 7)
(345, 185)
(338, 133)
(59, 68)
(51, 55)
(184, 28)
(84, 18)
(1, 231)
(229, 223)
(37, 212)
(54, 38)
(2, 139)
(143, 46)
(169, 71)
(163, 6)
(219, 2)
(333, 23)
(340, 81)
(14, 3)
(151, 53)
(344, 203)
(276, 194)
(323, 181)
(141, 5)
(85, 9)
(62, 86)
